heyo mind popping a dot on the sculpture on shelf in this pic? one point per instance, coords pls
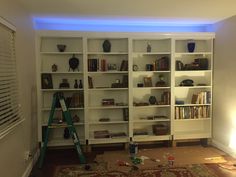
(161, 82)
(152, 100)
(54, 68)
(76, 118)
(106, 46)
(64, 84)
(149, 48)
(61, 47)
(73, 63)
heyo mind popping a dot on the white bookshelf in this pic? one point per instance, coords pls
(129, 49)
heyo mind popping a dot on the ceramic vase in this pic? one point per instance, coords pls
(191, 46)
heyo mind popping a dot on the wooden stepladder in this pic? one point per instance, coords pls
(58, 96)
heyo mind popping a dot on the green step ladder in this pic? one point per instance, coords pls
(58, 96)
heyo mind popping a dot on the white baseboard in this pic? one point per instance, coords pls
(223, 148)
(31, 164)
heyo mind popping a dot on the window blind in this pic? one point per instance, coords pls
(10, 112)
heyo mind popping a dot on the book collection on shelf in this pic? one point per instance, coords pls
(107, 108)
(95, 65)
(192, 112)
(203, 97)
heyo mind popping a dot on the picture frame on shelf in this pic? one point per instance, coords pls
(46, 81)
(147, 81)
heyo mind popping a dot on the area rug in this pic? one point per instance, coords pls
(100, 170)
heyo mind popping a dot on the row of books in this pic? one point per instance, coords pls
(102, 65)
(161, 64)
(165, 98)
(203, 97)
(192, 112)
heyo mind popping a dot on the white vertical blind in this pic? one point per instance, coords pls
(10, 113)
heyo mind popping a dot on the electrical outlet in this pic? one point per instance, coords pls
(27, 156)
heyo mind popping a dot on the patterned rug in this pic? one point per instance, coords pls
(95, 170)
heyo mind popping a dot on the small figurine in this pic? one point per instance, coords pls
(64, 84)
(54, 68)
(76, 118)
(149, 48)
(171, 160)
(161, 82)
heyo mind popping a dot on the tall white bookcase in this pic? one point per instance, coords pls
(130, 93)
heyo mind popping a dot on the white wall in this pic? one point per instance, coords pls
(24, 137)
(224, 96)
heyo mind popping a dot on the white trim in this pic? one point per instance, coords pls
(6, 23)
(31, 164)
(223, 148)
(10, 129)
(126, 35)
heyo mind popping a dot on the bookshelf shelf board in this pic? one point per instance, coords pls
(191, 71)
(148, 121)
(151, 106)
(59, 109)
(107, 107)
(61, 53)
(107, 72)
(107, 53)
(64, 142)
(192, 135)
(62, 125)
(149, 72)
(108, 140)
(177, 105)
(195, 119)
(109, 122)
(192, 87)
(151, 88)
(103, 89)
(140, 138)
(151, 53)
(194, 53)
(52, 90)
(50, 72)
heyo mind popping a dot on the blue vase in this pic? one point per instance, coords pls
(191, 46)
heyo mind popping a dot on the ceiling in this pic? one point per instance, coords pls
(161, 11)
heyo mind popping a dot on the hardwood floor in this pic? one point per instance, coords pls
(55, 157)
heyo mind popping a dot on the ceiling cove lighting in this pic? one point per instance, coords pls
(109, 25)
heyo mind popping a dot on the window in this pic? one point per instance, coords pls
(10, 112)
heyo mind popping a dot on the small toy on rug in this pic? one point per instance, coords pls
(136, 160)
(171, 160)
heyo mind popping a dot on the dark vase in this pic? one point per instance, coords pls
(191, 46)
(76, 84)
(80, 84)
(106, 46)
(152, 100)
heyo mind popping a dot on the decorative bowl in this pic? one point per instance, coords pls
(61, 47)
